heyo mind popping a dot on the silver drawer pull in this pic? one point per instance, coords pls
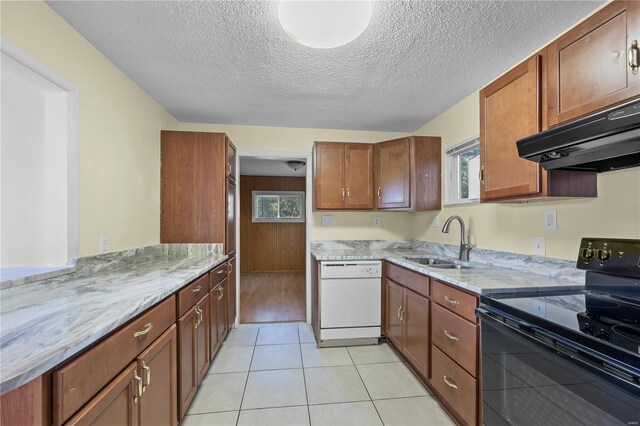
(138, 386)
(221, 271)
(147, 328)
(452, 301)
(398, 314)
(451, 336)
(197, 289)
(450, 382)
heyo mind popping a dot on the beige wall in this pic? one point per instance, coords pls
(119, 129)
(510, 227)
(346, 225)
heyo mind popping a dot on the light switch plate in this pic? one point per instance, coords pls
(539, 248)
(327, 220)
(550, 220)
(376, 221)
(436, 221)
(104, 243)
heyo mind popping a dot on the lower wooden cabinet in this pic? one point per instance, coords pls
(143, 394)
(457, 388)
(223, 290)
(231, 294)
(408, 324)
(193, 337)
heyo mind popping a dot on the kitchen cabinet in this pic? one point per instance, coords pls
(456, 388)
(231, 159)
(197, 180)
(231, 218)
(143, 394)
(223, 290)
(343, 176)
(588, 67)
(218, 276)
(231, 294)
(407, 321)
(407, 174)
(193, 340)
(510, 109)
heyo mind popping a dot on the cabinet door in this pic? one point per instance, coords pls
(509, 110)
(116, 404)
(588, 66)
(328, 174)
(358, 176)
(192, 187)
(394, 307)
(231, 160)
(214, 342)
(231, 295)
(393, 167)
(187, 350)
(416, 325)
(202, 338)
(222, 309)
(231, 218)
(158, 369)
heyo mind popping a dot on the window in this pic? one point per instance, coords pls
(462, 173)
(281, 206)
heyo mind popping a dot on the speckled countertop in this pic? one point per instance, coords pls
(46, 322)
(515, 273)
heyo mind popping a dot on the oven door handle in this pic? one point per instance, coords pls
(557, 343)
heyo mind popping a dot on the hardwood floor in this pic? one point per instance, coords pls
(272, 296)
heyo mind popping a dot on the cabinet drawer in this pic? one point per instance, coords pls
(77, 382)
(457, 387)
(412, 280)
(217, 275)
(456, 337)
(463, 304)
(188, 296)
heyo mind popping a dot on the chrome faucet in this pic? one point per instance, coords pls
(465, 248)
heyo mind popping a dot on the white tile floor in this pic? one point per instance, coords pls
(273, 374)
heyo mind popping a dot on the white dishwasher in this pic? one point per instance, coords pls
(350, 302)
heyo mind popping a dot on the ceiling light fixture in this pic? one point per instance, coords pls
(324, 24)
(296, 164)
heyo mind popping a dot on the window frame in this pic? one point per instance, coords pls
(254, 206)
(451, 177)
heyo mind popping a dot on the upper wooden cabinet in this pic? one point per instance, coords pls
(197, 175)
(402, 174)
(510, 109)
(589, 66)
(343, 176)
(407, 174)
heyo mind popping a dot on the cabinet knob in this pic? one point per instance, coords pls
(147, 328)
(633, 57)
(138, 387)
(450, 382)
(451, 301)
(147, 371)
(451, 336)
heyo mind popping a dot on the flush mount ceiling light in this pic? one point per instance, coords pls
(324, 24)
(296, 164)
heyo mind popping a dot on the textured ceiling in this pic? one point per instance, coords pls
(230, 62)
(264, 167)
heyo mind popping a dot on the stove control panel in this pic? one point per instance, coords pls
(615, 256)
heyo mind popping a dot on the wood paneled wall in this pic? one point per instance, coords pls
(270, 246)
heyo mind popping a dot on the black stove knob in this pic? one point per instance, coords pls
(586, 328)
(603, 336)
(587, 253)
(604, 255)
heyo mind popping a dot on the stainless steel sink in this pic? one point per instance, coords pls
(437, 263)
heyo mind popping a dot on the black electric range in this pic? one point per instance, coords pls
(573, 355)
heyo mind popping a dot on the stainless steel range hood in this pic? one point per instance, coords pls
(604, 141)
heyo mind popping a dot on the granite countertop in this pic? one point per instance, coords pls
(45, 323)
(529, 273)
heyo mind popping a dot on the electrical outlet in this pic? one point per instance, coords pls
(327, 220)
(539, 248)
(376, 221)
(104, 243)
(436, 221)
(539, 308)
(550, 220)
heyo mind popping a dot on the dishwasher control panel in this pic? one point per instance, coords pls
(351, 269)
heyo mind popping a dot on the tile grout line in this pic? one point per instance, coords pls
(365, 387)
(304, 377)
(246, 382)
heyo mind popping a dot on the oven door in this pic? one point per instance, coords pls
(530, 378)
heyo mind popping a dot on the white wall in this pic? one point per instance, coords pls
(34, 169)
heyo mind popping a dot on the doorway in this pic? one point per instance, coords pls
(273, 236)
